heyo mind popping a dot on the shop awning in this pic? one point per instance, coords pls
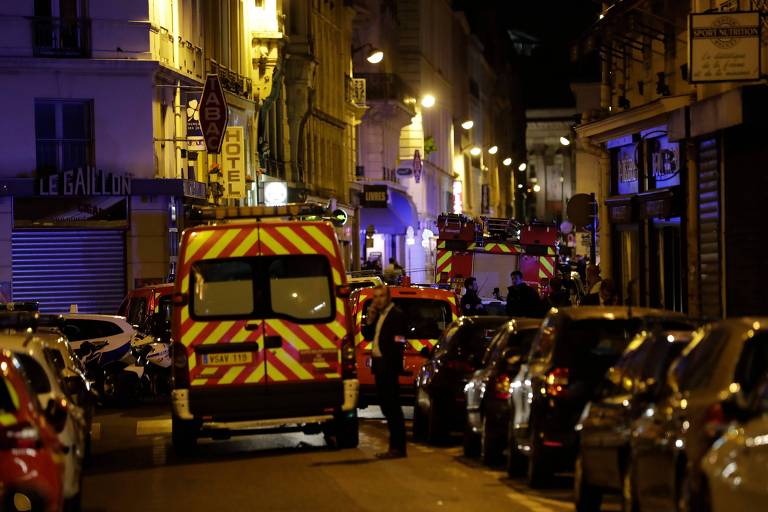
(393, 220)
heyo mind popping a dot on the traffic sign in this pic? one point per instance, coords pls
(213, 114)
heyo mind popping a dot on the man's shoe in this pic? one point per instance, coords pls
(391, 454)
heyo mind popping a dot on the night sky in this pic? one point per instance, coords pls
(556, 24)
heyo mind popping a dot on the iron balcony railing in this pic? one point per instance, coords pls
(387, 86)
(61, 37)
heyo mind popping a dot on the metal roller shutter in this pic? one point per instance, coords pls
(64, 267)
(708, 196)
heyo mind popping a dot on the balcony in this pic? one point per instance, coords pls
(388, 87)
(61, 37)
(232, 81)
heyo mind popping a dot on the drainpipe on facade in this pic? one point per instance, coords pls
(178, 128)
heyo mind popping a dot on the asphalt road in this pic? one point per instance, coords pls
(134, 468)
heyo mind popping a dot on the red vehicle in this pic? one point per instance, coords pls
(429, 312)
(142, 304)
(31, 457)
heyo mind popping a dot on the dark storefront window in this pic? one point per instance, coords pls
(63, 135)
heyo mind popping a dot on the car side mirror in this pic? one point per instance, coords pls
(56, 413)
(84, 349)
(425, 352)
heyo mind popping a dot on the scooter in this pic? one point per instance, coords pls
(154, 357)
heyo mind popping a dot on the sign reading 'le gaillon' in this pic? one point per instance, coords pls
(84, 182)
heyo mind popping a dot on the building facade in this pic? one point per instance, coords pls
(679, 160)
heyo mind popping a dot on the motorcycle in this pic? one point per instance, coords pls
(153, 355)
(112, 371)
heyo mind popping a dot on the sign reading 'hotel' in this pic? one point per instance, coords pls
(724, 47)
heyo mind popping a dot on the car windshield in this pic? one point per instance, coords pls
(35, 374)
(6, 403)
(297, 287)
(520, 341)
(356, 285)
(427, 318)
(585, 342)
(86, 329)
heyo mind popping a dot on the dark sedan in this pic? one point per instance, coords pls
(569, 357)
(487, 393)
(708, 385)
(440, 406)
(630, 386)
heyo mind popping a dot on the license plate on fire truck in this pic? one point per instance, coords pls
(227, 358)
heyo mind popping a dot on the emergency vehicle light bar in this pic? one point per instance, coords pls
(305, 211)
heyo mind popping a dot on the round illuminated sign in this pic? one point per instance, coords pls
(275, 193)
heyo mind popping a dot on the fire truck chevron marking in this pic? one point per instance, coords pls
(273, 246)
(293, 336)
(231, 374)
(320, 238)
(248, 245)
(224, 240)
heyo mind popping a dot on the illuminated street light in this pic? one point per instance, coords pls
(468, 124)
(493, 150)
(519, 185)
(537, 188)
(428, 101)
(507, 162)
(475, 151)
(375, 56)
(522, 167)
(565, 141)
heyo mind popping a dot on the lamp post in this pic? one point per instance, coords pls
(374, 55)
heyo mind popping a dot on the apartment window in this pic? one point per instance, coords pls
(474, 88)
(60, 28)
(63, 134)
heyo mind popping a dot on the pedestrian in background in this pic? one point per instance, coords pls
(558, 296)
(386, 327)
(393, 272)
(593, 279)
(606, 295)
(522, 300)
(471, 304)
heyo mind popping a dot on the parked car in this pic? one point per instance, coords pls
(628, 389)
(440, 404)
(33, 351)
(31, 456)
(116, 331)
(355, 281)
(141, 304)
(487, 392)
(570, 354)
(734, 468)
(707, 386)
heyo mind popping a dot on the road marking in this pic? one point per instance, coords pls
(95, 431)
(153, 427)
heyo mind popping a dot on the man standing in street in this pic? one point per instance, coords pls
(471, 304)
(522, 300)
(386, 326)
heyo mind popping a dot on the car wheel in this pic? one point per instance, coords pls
(515, 460)
(629, 501)
(184, 434)
(490, 449)
(343, 431)
(539, 468)
(471, 442)
(587, 498)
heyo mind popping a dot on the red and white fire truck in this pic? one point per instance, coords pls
(489, 249)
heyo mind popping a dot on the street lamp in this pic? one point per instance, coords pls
(565, 141)
(507, 162)
(493, 150)
(522, 167)
(475, 151)
(537, 188)
(428, 101)
(468, 124)
(374, 56)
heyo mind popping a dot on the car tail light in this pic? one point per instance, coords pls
(348, 358)
(460, 366)
(180, 366)
(557, 381)
(714, 420)
(19, 436)
(501, 386)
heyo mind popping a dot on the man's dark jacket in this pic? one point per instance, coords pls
(395, 325)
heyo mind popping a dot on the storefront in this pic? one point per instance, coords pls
(646, 212)
(386, 214)
(84, 237)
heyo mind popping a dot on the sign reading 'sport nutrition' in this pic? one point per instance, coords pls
(724, 47)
